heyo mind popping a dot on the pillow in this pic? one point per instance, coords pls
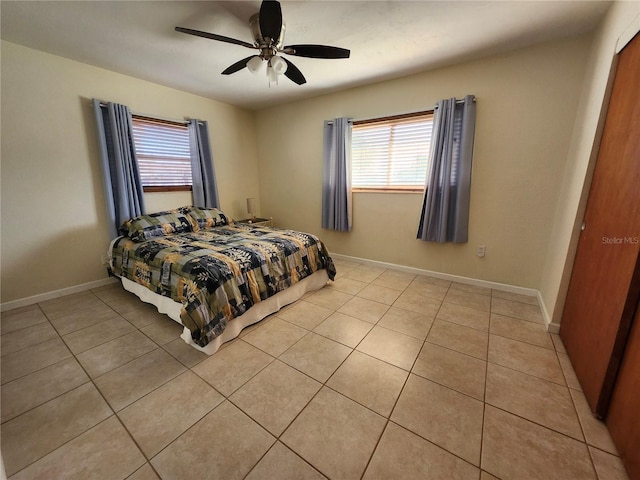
(205, 217)
(145, 227)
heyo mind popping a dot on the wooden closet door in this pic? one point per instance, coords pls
(603, 289)
(623, 418)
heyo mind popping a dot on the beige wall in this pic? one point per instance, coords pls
(537, 121)
(526, 107)
(583, 150)
(53, 214)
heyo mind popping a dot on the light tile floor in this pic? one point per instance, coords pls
(380, 375)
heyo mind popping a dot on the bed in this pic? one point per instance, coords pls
(214, 276)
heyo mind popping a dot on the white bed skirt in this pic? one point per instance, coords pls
(234, 327)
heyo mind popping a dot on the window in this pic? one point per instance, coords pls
(391, 153)
(164, 158)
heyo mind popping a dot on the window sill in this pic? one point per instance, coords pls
(168, 188)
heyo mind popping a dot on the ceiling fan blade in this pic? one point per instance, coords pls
(213, 36)
(270, 19)
(293, 73)
(316, 51)
(238, 65)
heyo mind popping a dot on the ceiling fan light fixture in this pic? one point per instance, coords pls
(267, 27)
(279, 65)
(271, 74)
(254, 64)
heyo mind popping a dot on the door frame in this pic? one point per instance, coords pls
(599, 383)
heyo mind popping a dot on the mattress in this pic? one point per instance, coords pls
(208, 279)
(259, 311)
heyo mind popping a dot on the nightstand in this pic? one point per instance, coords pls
(257, 221)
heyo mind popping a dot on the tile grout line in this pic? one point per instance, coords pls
(533, 421)
(31, 345)
(461, 325)
(527, 374)
(453, 349)
(63, 444)
(542, 426)
(522, 341)
(52, 398)
(37, 307)
(388, 418)
(395, 403)
(353, 349)
(42, 368)
(580, 422)
(573, 403)
(115, 414)
(278, 438)
(484, 393)
(91, 380)
(593, 464)
(323, 384)
(403, 387)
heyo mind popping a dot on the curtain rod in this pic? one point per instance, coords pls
(351, 120)
(387, 118)
(154, 117)
(462, 100)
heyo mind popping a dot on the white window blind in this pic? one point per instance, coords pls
(391, 153)
(163, 153)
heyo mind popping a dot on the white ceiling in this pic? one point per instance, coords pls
(387, 38)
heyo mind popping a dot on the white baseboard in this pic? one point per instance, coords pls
(553, 327)
(23, 302)
(529, 292)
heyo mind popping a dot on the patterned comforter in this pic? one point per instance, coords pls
(219, 273)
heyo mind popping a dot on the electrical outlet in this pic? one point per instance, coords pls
(481, 251)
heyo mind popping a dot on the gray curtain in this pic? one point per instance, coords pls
(205, 190)
(336, 180)
(120, 174)
(445, 205)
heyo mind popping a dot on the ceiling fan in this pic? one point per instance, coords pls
(268, 29)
